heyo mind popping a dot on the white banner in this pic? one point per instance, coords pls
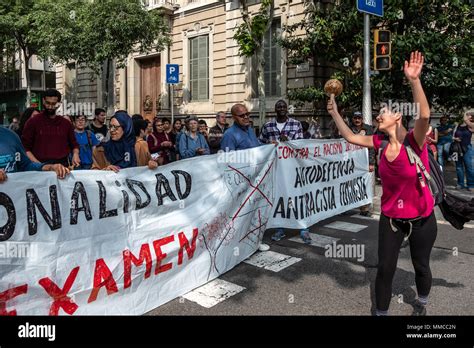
(105, 243)
(322, 178)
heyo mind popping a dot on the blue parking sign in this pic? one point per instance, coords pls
(172, 73)
(373, 7)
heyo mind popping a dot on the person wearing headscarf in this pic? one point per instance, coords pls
(119, 152)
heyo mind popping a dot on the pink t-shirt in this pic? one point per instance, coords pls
(403, 197)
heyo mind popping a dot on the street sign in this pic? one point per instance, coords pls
(373, 7)
(172, 73)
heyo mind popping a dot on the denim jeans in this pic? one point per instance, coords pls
(465, 165)
(443, 152)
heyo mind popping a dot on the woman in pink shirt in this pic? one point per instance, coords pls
(407, 203)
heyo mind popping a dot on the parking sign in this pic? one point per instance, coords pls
(172, 73)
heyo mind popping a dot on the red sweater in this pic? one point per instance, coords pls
(154, 141)
(49, 139)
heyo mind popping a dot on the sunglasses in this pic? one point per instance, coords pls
(112, 127)
(247, 114)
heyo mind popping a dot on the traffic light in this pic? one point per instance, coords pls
(382, 50)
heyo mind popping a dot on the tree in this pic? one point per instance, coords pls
(442, 30)
(16, 30)
(98, 34)
(250, 38)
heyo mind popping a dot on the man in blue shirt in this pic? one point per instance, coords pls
(240, 137)
(13, 158)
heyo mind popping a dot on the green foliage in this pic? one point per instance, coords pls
(442, 30)
(250, 35)
(92, 32)
(15, 24)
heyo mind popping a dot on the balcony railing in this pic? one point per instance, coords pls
(152, 4)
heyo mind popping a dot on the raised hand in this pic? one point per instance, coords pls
(332, 106)
(412, 69)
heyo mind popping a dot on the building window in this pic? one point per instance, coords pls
(50, 78)
(272, 70)
(199, 68)
(36, 79)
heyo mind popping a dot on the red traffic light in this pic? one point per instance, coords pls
(382, 49)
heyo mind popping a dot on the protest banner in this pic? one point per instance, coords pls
(322, 178)
(104, 243)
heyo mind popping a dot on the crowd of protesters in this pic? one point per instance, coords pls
(45, 141)
(71, 142)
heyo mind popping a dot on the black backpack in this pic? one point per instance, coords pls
(435, 176)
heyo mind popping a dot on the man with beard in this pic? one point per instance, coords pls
(49, 138)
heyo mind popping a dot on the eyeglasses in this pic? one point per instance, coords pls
(247, 114)
(112, 127)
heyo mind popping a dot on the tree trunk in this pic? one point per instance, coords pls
(105, 92)
(26, 71)
(261, 85)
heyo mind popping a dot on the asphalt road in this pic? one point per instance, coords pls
(310, 283)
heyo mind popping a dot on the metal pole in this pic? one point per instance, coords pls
(367, 100)
(172, 104)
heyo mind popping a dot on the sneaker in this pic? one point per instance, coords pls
(418, 309)
(304, 234)
(279, 235)
(263, 247)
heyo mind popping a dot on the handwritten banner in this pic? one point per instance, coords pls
(105, 243)
(321, 179)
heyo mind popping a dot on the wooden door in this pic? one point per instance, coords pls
(150, 92)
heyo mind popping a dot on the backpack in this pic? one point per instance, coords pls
(435, 177)
(456, 210)
(89, 140)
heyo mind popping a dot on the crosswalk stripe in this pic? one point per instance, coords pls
(213, 293)
(346, 226)
(317, 240)
(271, 260)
